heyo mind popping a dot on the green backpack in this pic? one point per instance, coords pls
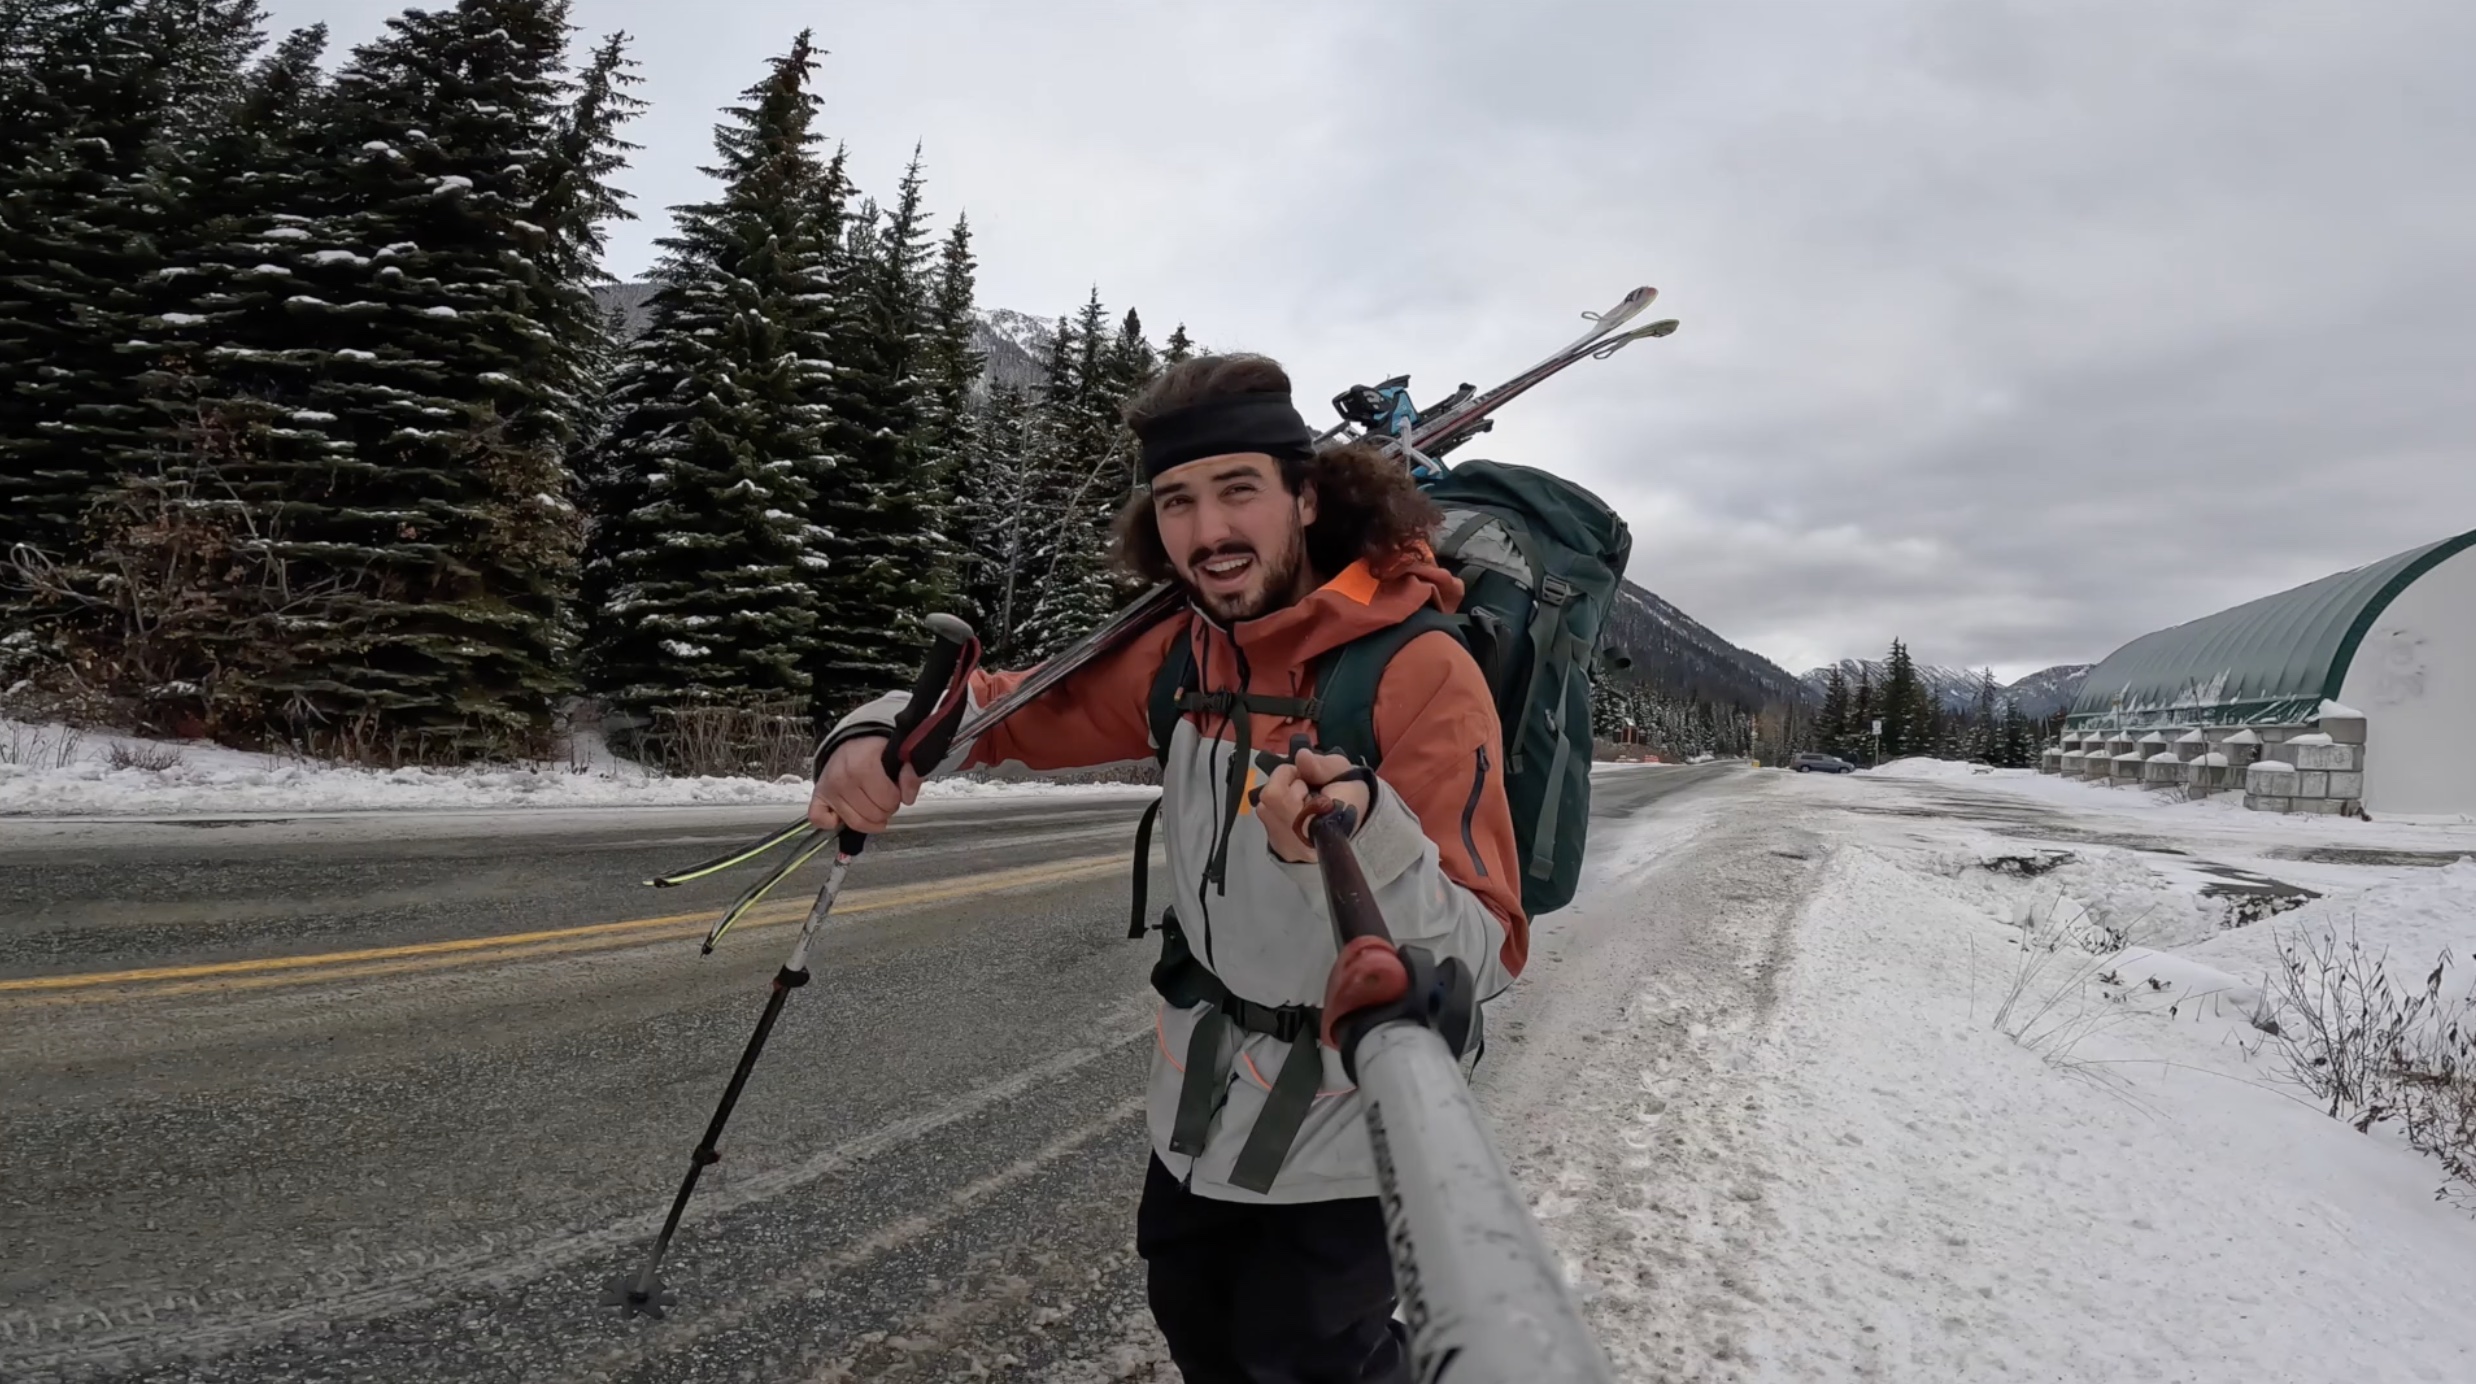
(1540, 559)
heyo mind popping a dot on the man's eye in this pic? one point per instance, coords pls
(1174, 502)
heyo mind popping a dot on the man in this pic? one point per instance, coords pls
(1259, 1225)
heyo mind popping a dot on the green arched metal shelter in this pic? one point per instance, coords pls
(2267, 662)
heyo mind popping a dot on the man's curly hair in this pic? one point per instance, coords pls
(1366, 505)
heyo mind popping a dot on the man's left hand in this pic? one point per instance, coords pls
(1286, 794)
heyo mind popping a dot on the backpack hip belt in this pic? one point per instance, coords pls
(1185, 982)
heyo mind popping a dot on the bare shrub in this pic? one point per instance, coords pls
(180, 606)
(152, 756)
(2374, 1052)
(758, 739)
(2343, 1027)
(39, 747)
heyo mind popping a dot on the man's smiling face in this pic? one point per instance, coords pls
(1236, 535)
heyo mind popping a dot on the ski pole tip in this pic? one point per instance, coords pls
(622, 1293)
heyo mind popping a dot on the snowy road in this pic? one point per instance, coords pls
(389, 1097)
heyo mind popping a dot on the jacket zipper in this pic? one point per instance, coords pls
(1478, 782)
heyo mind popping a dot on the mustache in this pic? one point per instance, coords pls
(1204, 555)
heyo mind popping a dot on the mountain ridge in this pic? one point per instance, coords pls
(2041, 694)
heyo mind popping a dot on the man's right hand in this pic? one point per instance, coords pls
(855, 792)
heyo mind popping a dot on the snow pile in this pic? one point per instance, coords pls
(48, 770)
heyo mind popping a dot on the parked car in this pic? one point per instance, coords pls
(1808, 763)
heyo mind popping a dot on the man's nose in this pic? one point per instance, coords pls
(1212, 525)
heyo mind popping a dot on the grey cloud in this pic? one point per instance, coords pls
(2012, 329)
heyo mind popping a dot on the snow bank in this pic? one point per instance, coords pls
(50, 771)
(1998, 1161)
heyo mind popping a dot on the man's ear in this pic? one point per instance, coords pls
(1306, 502)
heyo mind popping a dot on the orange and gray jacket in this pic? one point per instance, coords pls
(1437, 846)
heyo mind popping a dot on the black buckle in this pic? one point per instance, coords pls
(1281, 1022)
(1555, 591)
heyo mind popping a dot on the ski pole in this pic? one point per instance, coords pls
(922, 734)
(1481, 1293)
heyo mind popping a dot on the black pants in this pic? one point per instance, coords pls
(1254, 1294)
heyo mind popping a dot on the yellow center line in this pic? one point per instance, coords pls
(549, 941)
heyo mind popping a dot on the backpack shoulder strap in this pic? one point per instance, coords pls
(1177, 676)
(1346, 681)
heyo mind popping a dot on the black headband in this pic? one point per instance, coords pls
(1230, 424)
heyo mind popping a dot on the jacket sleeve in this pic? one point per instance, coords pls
(1440, 824)
(1095, 717)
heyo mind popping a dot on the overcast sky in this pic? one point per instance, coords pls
(2013, 328)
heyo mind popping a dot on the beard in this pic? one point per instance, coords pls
(1274, 586)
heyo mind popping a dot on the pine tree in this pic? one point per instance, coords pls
(1091, 474)
(97, 93)
(2015, 751)
(991, 499)
(152, 590)
(943, 446)
(1904, 727)
(1985, 727)
(1832, 726)
(428, 378)
(702, 575)
(1178, 347)
(886, 565)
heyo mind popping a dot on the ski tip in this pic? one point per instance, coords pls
(1665, 326)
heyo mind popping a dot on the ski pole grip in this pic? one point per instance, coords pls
(925, 729)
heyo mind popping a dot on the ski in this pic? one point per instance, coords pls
(1460, 419)
(1149, 609)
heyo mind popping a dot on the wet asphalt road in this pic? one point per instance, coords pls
(369, 1099)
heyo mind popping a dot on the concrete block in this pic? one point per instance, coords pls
(2346, 730)
(2258, 803)
(2319, 807)
(2347, 786)
(2312, 783)
(2271, 735)
(2270, 777)
(2343, 758)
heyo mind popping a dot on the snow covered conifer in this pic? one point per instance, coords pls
(1833, 725)
(93, 93)
(436, 315)
(990, 521)
(1087, 473)
(702, 576)
(887, 567)
(1904, 727)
